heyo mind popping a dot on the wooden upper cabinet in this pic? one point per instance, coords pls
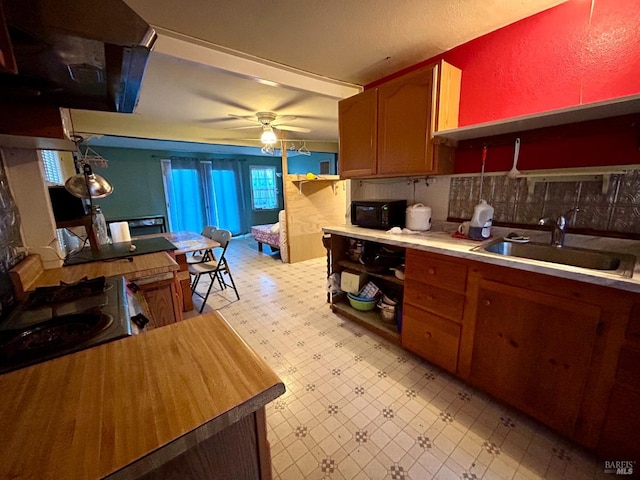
(358, 132)
(405, 124)
(388, 131)
(7, 60)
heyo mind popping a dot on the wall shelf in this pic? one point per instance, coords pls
(592, 111)
(302, 179)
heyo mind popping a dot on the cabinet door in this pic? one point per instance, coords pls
(357, 118)
(7, 60)
(619, 439)
(533, 351)
(160, 299)
(405, 116)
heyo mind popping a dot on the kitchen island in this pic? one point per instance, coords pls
(185, 400)
(154, 273)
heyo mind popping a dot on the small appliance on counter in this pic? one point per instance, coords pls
(480, 224)
(379, 214)
(419, 217)
(59, 320)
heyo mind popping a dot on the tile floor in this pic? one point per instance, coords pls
(357, 407)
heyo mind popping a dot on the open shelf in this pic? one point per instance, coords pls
(592, 111)
(319, 179)
(358, 267)
(370, 320)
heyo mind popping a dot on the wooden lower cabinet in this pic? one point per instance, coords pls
(533, 351)
(620, 437)
(161, 299)
(563, 351)
(240, 451)
(433, 338)
(434, 298)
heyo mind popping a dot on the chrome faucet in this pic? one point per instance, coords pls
(558, 226)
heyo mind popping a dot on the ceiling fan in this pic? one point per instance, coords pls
(269, 121)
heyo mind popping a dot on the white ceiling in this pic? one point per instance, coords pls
(188, 96)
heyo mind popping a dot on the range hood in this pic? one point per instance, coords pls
(76, 54)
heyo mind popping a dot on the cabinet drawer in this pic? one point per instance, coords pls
(436, 300)
(433, 338)
(441, 273)
(629, 367)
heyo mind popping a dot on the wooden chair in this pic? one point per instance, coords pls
(216, 269)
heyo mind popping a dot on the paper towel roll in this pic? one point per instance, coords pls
(120, 232)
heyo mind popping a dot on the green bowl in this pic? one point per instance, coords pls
(362, 304)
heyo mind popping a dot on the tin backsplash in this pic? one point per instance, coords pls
(9, 241)
(616, 210)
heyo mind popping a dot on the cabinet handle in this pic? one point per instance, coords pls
(428, 335)
(430, 298)
(486, 302)
(432, 271)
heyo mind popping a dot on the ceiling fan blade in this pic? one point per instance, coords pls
(284, 118)
(242, 128)
(293, 129)
(249, 118)
(227, 102)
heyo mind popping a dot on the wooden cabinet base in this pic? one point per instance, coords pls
(240, 451)
(161, 298)
(621, 427)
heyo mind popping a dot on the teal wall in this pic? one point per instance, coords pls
(138, 189)
(303, 164)
(137, 183)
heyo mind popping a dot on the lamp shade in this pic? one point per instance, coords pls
(268, 136)
(88, 184)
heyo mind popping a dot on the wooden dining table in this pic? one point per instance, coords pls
(185, 242)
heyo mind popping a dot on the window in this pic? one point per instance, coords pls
(264, 192)
(53, 174)
(205, 192)
(51, 162)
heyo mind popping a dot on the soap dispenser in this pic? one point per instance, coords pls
(480, 225)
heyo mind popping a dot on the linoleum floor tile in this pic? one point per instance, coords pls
(358, 407)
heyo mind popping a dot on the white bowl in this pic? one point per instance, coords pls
(388, 301)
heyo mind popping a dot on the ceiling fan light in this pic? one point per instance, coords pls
(268, 137)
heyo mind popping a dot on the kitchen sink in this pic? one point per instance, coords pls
(619, 263)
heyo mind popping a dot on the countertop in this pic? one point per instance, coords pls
(136, 267)
(439, 240)
(121, 250)
(91, 413)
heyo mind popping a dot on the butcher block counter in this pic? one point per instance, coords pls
(29, 274)
(183, 401)
(153, 273)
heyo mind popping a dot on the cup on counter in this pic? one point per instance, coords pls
(463, 228)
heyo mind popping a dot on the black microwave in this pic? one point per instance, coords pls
(381, 214)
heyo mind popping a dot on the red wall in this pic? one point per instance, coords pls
(562, 57)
